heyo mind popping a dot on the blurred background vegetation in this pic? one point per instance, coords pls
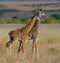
(9, 15)
(55, 18)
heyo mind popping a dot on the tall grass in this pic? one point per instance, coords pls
(48, 46)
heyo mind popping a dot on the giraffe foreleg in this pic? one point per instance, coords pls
(35, 47)
(23, 54)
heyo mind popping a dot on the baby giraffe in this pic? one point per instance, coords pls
(33, 34)
(20, 34)
(23, 34)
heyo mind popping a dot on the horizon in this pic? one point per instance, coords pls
(29, 0)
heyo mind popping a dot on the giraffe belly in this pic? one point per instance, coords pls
(31, 36)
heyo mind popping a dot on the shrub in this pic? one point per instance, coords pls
(25, 20)
(56, 16)
(10, 21)
(14, 20)
(15, 17)
(49, 20)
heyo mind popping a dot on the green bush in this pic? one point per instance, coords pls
(10, 21)
(56, 16)
(14, 20)
(25, 20)
(15, 17)
(49, 20)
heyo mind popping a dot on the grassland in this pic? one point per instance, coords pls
(48, 45)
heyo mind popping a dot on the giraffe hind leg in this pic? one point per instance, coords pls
(10, 42)
(8, 45)
(20, 45)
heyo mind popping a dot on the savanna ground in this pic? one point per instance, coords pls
(48, 45)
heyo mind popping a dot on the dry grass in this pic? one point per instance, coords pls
(48, 46)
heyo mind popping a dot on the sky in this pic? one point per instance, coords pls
(29, 0)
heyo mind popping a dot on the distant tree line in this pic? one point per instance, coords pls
(55, 18)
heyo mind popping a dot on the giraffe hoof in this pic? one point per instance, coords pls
(7, 44)
(18, 51)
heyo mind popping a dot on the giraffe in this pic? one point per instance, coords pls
(23, 34)
(34, 32)
(20, 33)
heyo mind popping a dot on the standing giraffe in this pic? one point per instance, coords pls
(23, 34)
(20, 34)
(33, 33)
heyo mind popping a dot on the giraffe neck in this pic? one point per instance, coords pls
(37, 23)
(28, 27)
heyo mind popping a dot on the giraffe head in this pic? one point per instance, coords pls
(38, 14)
